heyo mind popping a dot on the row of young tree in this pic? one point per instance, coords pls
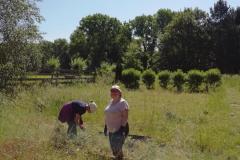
(188, 39)
(193, 81)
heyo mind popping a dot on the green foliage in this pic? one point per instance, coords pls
(148, 78)
(131, 57)
(188, 39)
(131, 78)
(163, 18)
(224, 23)
(178, 78)
(197, 116)
(105, 73)
(180, 42)
(106, 69)
(53, 64)
(6, 74)
(195, 79)
(47, 51)
(220, 10)
(78, 65)
(213, 77)
(145, 28)
(78, 44)
(164, 78)
(98, 38)
(34, 57)
(18, 28)
(61, 51)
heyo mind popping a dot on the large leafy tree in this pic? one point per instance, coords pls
(78, 45)
(97, 38)
(18, 28)
(185, 42)
(145, 28)
(237, 18)
(119, 48)
(34, 57)
(131, 58)
(225, 36)
(61, 51)
(47, 51)
(120, 44)
(163, 18)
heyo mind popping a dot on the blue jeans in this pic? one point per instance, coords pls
(116, 140)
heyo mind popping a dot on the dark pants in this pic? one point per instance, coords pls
(116, 140)
(72, 129)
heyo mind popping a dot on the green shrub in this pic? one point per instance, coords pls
(106, 69)
(213, 77)
(195, 79)
(106, 72)
(53, 64)
(164, 78)
(6, 74)
(131, 78)
(178, 78)
(78, 65)
(148, 77)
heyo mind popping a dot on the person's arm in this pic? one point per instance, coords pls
(78, 120)
(124, 117)
(124, 111)
(81, 123)
(124, 122)
(105, 130)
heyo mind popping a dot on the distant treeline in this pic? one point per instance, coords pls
(167, 40)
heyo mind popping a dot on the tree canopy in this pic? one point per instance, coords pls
(18, 28)
(188, 39)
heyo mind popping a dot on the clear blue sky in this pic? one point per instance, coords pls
(63, 16)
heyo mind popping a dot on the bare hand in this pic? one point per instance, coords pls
(82, 127)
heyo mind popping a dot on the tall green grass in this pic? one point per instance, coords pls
(181, 125)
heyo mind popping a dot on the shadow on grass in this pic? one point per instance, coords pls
(135, 137)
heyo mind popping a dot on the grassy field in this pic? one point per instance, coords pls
(181, 126)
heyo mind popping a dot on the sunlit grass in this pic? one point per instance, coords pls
(181, 125)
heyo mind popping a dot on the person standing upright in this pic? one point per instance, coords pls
(116, 121)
